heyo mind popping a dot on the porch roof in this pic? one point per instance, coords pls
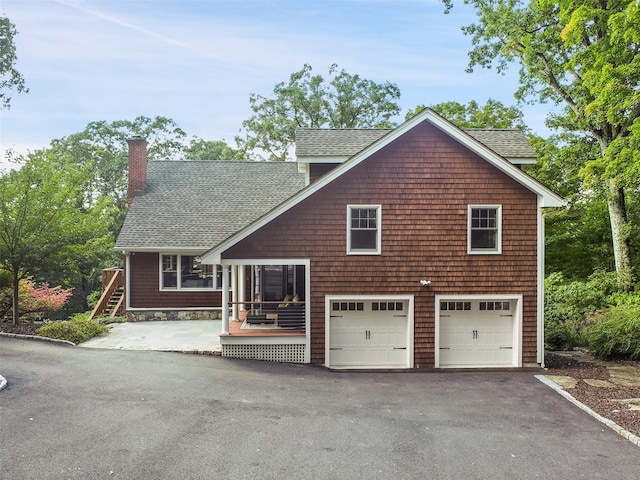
(192, 205)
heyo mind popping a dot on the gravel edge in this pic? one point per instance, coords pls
(609, 423)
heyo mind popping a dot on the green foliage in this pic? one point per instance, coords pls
(200, 149)
(76, 330)
(569, 305)
(109, 320)
(10, 77)
(616, 333)
(43, 218)
(584, 57)
(491, 115)
(307, 100)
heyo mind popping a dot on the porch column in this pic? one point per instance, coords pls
(234, 292)
(241, 289)
(225, 300)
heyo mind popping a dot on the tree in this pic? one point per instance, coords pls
(42, 217)
(103, 145)
(492, 115)
(582, 55)
(307, 100)
(10, 77)
(200, 149)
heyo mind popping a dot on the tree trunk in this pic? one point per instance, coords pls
(16, 299)
(620, 235)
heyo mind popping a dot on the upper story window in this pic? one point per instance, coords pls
(186, 272)
(485, 229)
(364, 229)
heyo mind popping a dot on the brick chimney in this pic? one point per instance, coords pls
(137, 167)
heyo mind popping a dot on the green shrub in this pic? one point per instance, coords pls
(76, 330)
(569, 306)
(563, 335)
(108, 320)
(615, 333)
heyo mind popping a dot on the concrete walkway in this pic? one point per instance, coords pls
(188, 336)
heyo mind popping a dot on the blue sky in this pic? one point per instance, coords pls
(197, 61)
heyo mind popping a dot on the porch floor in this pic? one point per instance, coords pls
(236, 331)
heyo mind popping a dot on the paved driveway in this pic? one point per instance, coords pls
(87, 413)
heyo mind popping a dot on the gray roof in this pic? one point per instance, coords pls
(326, 142)
(509, 143)
(198, 204)
(335, 142)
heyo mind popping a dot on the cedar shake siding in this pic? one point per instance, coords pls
(145, 291)
(424, 181)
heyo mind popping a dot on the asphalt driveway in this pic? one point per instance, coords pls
(88, 413)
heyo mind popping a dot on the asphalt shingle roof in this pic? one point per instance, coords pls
(325, 142)
(198, 204)
(335, 142)
(508, 143)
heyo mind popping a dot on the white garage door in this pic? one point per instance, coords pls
(368, 334)
(476, 333)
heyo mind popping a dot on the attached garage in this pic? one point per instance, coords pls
(366, 332)
(478, 332)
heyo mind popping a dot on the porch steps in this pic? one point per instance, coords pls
(113, 302)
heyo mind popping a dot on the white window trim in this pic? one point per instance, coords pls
(485, 251)
(378, 249)
(179, 287)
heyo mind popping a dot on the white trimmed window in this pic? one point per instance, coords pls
(364, 229)
(185, 272)
(485, 229)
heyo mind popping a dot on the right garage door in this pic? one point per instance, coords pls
(476, 333)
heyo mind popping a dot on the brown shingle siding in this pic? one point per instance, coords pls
(424, 181)
(145, 291)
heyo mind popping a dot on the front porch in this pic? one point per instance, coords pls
(264, 310)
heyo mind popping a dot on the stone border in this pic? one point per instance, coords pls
(609, 423)
(36, 337)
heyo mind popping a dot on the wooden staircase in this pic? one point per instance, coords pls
(111, 303)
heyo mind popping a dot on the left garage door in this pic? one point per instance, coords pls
(369, 334)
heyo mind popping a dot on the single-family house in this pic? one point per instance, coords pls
(415, 247)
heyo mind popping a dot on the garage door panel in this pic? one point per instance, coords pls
(473, 337)
(369, 337)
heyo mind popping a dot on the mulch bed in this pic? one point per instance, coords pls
(24, 328)
(605, 401)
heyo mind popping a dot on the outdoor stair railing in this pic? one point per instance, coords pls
(111, 303)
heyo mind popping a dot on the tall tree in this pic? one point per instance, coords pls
(10, 77)
(307, 100)
(200, 149)
(582, 55)
(42, 217)
(103, 145)
(493, 114)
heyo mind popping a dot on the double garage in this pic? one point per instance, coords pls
(377, 332)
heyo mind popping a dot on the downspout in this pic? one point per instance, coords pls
(540, 289)
(127, 281)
